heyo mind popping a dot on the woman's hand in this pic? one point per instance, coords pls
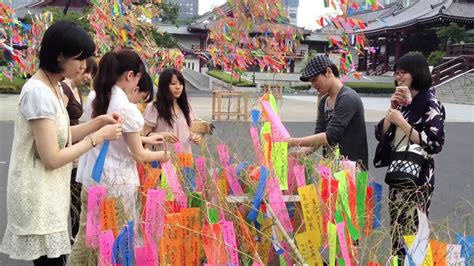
(169, 137)
(397, 98)
(153, 139)
(112, 118)
(108, 132)
(195, 138)
(395, 117)
(163, 156)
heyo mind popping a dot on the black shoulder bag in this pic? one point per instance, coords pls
(406, 164)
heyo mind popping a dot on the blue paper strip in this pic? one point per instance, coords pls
(116, 251)
(155, 164)
(253, 213)
(189, 178)
(377, 204)
(99, 164)
(241, 167)
(467, 248)
(255, 114)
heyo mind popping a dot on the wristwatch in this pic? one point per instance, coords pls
(93, 143)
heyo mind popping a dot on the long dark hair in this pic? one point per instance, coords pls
(146, 85)
(111, 66)
(164, 97)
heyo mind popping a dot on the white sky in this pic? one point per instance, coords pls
(308, 11)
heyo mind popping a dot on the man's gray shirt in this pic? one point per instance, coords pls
(345, 125)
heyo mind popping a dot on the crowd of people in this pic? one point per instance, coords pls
(53, 154)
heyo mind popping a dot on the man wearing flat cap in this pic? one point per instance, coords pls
(340, 118)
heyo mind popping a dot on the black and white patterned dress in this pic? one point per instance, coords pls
(427, 115)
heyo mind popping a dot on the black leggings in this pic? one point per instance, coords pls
(75, 208)
(45, 261)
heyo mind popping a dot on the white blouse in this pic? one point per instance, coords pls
(120, 166)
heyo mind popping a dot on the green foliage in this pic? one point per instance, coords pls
(168, 12)
(226, 77)
(164, 39)
(435, 58)
(11, 86)
(454, 31)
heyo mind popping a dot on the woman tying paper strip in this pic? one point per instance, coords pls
(115, 90)
(42, 154)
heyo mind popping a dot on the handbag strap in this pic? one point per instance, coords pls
(409, 137)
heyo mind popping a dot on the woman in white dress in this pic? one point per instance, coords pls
(40, 165)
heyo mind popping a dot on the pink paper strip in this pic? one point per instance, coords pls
(274, 119)
(233, 180)
(276, 135)
(324, 171)
(287, 254)
(228, 235)
(174, 184)
(223, 152)
(106, 243)
(292, 162)
(154, 214)
(146, 256)
(299, 171)
(278, 204)
(96, 195)
(256, 144)
(178, 147)
(201, 173)
(343, 243)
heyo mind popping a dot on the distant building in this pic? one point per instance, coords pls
(187, 8)
(291, 7)
(22, 7)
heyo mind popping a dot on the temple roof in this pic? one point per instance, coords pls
(421, 11)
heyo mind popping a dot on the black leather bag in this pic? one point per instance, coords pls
(406, 164)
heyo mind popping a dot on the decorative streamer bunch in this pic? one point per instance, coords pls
(14, 35)
(351, 35)
(119, 24)
(253, 33)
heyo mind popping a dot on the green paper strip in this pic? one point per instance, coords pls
(166, 186)
(280, 163)
(395, 260)
(195, 199)
(332, 243)
(361, 190)
(354, 234)
(343, 203)
(341, 262)
(213, 215)
(282, 260)
(272, 102)
(342, 197)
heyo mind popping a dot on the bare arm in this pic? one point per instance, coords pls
(140, 154)
(313, 141)
(46, 140)
(80, 131)
(147, 129)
